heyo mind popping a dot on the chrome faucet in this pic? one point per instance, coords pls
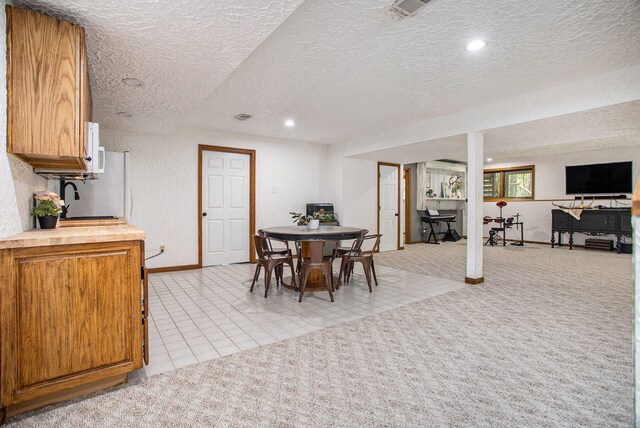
(76, 196)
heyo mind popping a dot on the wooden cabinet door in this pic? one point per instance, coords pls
(44, 89)
(75, 317)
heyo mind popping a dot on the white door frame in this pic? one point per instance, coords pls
(252, 195)
(399, 175)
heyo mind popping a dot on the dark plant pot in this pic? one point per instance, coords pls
(48, 222)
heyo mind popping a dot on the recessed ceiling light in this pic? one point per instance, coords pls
(130, 81)
(289, 123)
(475, 45)
(489, 159)
(124, 114)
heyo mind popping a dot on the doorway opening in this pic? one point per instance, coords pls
(226, 205)
(389, 191)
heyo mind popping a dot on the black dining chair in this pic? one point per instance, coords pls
(275, 251)
(271, 262)
(357, 254)
(317, 261)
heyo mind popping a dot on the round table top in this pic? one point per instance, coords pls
(303, 233)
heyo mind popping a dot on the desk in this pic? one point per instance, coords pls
(304, 235)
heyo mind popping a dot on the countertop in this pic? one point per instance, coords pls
(92, 222)
(73, 235)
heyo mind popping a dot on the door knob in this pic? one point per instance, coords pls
(204, 214)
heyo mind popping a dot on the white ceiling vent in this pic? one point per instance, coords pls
(243, 116)
(408, 7)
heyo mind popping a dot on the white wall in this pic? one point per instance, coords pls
(164, 175)
(360, 194)
(17, 181)
(550, 184)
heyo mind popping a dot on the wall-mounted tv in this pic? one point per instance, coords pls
(600, 178)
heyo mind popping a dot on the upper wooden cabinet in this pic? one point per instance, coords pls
(48, 93)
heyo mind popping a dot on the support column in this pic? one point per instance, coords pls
(475, 158)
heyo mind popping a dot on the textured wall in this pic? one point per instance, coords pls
(360, 194)
(17, 182)
(550, 184)
(164, 175)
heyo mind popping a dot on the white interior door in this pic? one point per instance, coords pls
(225, 208)
(389, 215)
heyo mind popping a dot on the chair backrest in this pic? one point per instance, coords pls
(376, 244)
(316, 250)
(262, 245)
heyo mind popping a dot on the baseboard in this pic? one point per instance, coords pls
(474, 280)
(172, 268)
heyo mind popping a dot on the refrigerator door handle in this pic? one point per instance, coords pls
(101, 160)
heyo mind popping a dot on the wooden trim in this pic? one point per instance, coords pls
(407, 205)
(635, 204)
(9, 78)
(474, 280)
(502, 183)
(511, 168)
(398, 247)
(172, 268)
(252, 195)
(65, 395)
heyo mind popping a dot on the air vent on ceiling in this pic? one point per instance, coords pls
(243, 116)
(408, 7)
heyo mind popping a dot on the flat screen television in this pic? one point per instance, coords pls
(600, 178)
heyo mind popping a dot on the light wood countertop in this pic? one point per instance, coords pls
(92, 222)
(73, 235)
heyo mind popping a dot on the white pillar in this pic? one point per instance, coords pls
(475, 153)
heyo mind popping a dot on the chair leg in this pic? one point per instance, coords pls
(373, 269)
(342, 272)
(256, 274)
(367, 273)
(267, 281)
(293, 276)
(303, 284)
(328, 282)
(350, 270)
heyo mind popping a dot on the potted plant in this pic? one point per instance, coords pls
(47, 209)
(429, 193)
(457, 186)
(312, 221)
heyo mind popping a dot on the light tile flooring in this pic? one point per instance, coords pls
(207, 313)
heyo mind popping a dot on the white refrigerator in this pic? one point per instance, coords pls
(110, 195)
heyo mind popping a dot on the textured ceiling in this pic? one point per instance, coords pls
(346, 68)
(613, 126)
(340, 68)
(181, 49)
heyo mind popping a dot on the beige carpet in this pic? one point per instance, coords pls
(546, 342)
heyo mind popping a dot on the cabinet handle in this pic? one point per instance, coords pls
(88, 159)
(204, 214)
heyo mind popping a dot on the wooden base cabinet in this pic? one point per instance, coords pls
(71, 316)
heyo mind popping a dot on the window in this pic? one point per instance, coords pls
(509, 183)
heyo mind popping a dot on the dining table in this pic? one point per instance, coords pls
(304, 235)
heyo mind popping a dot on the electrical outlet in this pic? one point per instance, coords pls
(162, 248)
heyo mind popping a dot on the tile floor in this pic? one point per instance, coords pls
(207, 313)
